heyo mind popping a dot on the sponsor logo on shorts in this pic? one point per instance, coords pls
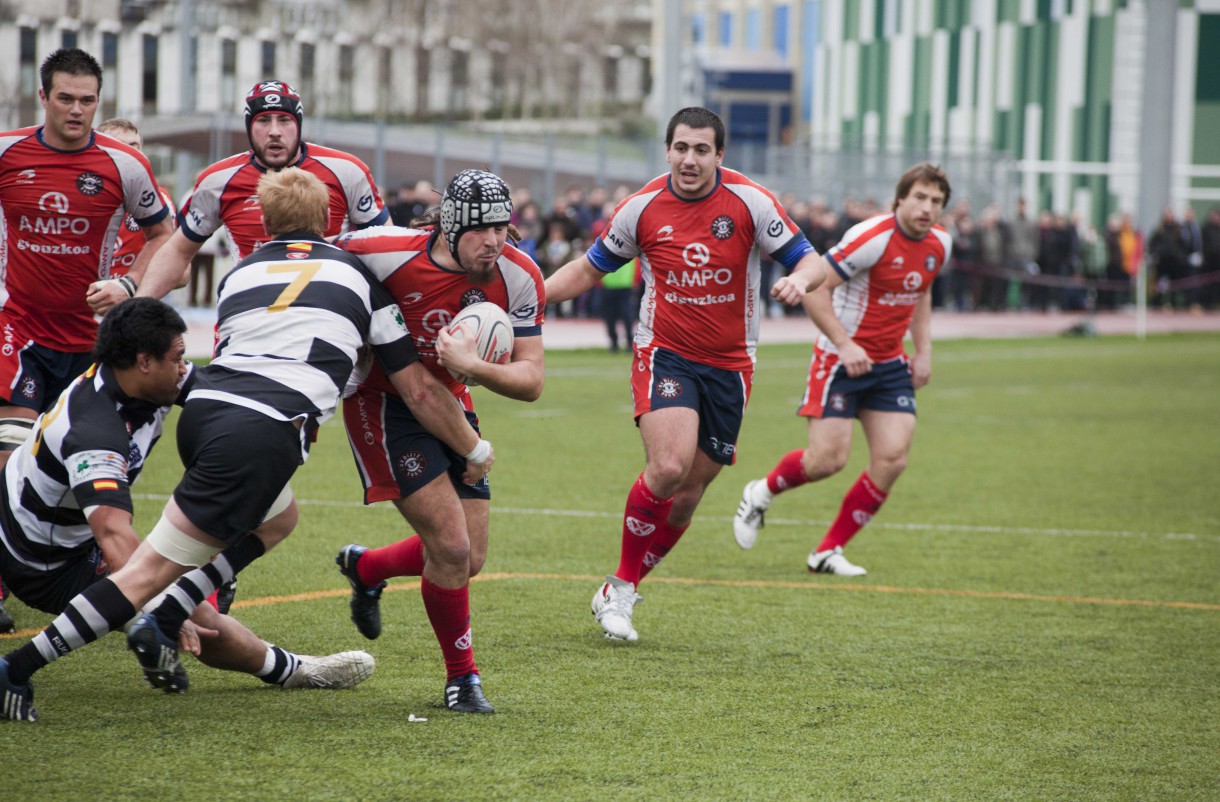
(723, 227)
(640, 528)
(412, 464)
(837, 402)
(669, 387)
(29, 387)
(89, 183)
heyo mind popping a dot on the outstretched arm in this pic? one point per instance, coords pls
(571, 280)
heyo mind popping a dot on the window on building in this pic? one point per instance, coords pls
(149, 73)
(423, 74)
(28, 76)
(306, 68)
(268, 59)
(228, 70)
(458, 98)
(610, 78)
(347, 76)
(385, 72)
(68, 38)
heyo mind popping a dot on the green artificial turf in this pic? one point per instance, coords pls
(1041, 617)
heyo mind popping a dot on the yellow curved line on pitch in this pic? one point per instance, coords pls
(314, 595)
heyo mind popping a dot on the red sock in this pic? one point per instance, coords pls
(404, 558)
(788, 473)
(663, 541)
(859, 506)
(214, 599)
(449, 613)
(645, 512)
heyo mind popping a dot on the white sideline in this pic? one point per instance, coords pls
(967, 528)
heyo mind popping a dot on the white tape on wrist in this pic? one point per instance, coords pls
(128, 284)
(478, 455)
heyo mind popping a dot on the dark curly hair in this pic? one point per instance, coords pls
(139, 326)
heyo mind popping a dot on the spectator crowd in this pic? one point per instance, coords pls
(1019, 262)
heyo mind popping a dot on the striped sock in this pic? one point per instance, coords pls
(99, 609)
(278, 666)
(194, 586)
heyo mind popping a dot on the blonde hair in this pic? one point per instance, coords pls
(120, 124)
(294, 200)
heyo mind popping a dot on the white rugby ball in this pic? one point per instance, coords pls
(492, 330)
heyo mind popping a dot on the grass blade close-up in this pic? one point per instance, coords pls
(1040, 618)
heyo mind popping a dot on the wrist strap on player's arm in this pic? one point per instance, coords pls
(128, 284)
(478, 455)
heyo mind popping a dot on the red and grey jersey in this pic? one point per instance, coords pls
(885, 272)
(62, 211)
(430, 296)
(130, 241)
(291, 320)
(86, 452)
(226, 194)
(700, 264)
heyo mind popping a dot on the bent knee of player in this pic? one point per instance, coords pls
(449, 547)
(885, 467)
(820, 462)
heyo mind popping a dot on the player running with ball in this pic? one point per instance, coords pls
(464, 259)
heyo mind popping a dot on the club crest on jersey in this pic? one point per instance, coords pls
(412, 464)
(473, 296)
(930, 263)
(669, 387)
(89, 183)
(723, 227)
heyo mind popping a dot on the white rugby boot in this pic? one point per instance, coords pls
(756, 498)
(832, 561)
(613, 605)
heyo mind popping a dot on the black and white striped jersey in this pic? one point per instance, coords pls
(291, 319)
(85, 452)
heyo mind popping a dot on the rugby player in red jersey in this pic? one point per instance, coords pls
(225, 193)
(883, 271)
(697, 232)
(459, 257)
(64, 193)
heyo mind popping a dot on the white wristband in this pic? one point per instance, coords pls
(478, 455)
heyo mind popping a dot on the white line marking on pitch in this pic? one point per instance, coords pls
(986, 530)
